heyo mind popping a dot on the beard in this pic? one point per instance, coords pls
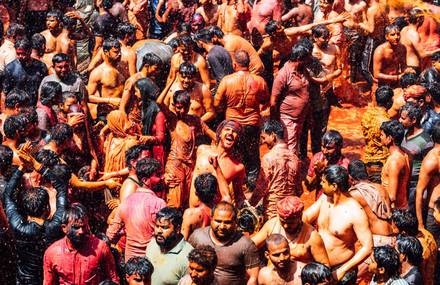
(167, 241)
(76, 240)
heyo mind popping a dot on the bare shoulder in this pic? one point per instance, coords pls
(264, 275)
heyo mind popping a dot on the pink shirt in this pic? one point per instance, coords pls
(138, 214)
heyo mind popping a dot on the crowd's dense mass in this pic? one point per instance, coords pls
(131, 135)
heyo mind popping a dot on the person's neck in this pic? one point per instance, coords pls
(56, 32)
(222, 152)
(413, 131)
(218, 241)
(338, 197)
(285, 274)
(170, 246)
(124, 43)
(110, 62)
(393, 47)
(406, 267)
(10, 142)
(381, 279)
(209, 46)
(395, 149)
(70, 244)
(241, 68)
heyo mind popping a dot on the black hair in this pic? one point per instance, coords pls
(332, 137)
(67, 95)
(51, 93)
(273, 127)
(23, 44)
(60, 57)
(271, 27)
(110, 43)
(394, 129)
(34, 201)
(14, 126)
(387, 258)
(15, 30)
(216, 31)
(183, 28)
(384, 96)
(55, 14)
(315, 273)
(357, 169)
(336, 174)
(18, 98)
(174, 43)
(205, 256)
(140, 266)
(405, 221)
(107, 4)
(413, 111)
(146, 167)
(414, 14)
(224, 206)
(182, 97)
(203, 35)
(187, 69)
(301, 51)
(38, 43)
(133, 153)
(320, 31)
(206, 186)
(241, 57)
(76, 212)
(47, 158)
(411, 248)
(435, 133)
(435, 56)
(187, 41)
(61, 133)
(150, 59)
(393, 27)
(6, 155)
(149, 93)
(408, 79)
(125, 29)
(62, 171)
(172, 215)
(433, 88)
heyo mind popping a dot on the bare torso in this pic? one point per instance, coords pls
(60, 43)
(409, 36)
(197, 107)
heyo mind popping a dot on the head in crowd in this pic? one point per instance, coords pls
(47, 158)
(384, 96)
(186, 46)
(147, 91)
(289, 210)
(61, 64)
(14, 127)
(54, 20)
(152, 64)
(15, 32)
(302, 52)
(181, 102)
(15, 101)
(410, 115)
(183, 29)
(415, 16)
(38, 44)
(203, 38)
(202, 263)
(435, 133)
(435, 60)
(197, 22)
(272, 132)
(134, 154)
(410, 250)
(334, 180)
(51, 93)
(167, 227)
(217, 34)
(326, 6)
(112, 50)
(331, 146)
(408, 79)
(241, 60)
(384, 263)
(68, 100)
(75, 224)
(392, 133)
(434, 90)
(316, 273)
(404, 222)
(321, 36)
(357, 171)
(62, 135)
(206, 186)
(223, 221)
(34, 202)
(392, 34)
(228, 135)
(416, 94)
(138, 271)
(126, 33)
(274, 28)
(278, 252)
(149, 171)
(187, 74)
(23, 49)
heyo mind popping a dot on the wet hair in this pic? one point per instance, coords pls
(61, 133)
(110, 43)
(172, 215)
(174, 43)
(435, 133)
(34, 201)
(387, 258)
(408, 79)
(30, 114)
(182, 97)
(62, 171)
(336, 174)
(241, 57)
(223, 205)
(204, 256)
(411, 248)
(433, 88)
(435, 56)
(47, 158)
(276, 239)
(51, 92)
(315, 273)
(149, 93)
(38, 43)
(183, 28)
(60, 57)
(206, 186)
(413, 111)
(333, 137)
(203, 35)
(6, 155)
(405, 221)
(271, 27)
(133, 153)
(273, 127)
(14, 126)
(391, 28)
(414, 14)
(23, 44)
(125, 29)
(301, 51)
(76, 212)
(394, 129)
(187, 41)
(150, 59)
(140, 266)
(57, 14)
(357, 169)
(107, 4)
(320, 31)
(17, 98)
(146, 167)
(216, 31)
(67, 95)
(384, 96)
(15, 30)
(187, 69)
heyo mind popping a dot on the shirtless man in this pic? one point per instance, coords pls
(410, 38)
(209, 11)
(127, 65)
(300, 14)
(185, 129)
(225, 151)
(406, 80)
(396, 170)
(138, 16)
(232, 17)
(201, 98)
(429, 30)
(281, 269)
(57, 39)
(326, 12)
(187, 54)
(264, 11)
(389, 60)
(306, 245)
(106, 83)
(341, 222)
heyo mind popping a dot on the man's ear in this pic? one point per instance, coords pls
(266, 254)
(64, 228)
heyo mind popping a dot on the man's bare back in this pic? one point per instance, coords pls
(395, 176)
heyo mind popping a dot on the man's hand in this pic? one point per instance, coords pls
(112, 184)
(75, 119)
(320, 166)
(27, 159)
(213, 161)
(73, 14)
(113, 204)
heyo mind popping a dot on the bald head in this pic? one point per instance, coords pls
(241, 58)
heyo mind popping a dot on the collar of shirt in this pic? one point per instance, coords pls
(178, 248)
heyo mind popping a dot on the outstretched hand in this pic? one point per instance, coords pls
(24, 153)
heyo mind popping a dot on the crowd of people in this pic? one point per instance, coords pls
(171, 142)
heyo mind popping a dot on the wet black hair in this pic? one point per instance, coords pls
(336, 174)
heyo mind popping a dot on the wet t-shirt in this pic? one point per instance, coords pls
(105, 26)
